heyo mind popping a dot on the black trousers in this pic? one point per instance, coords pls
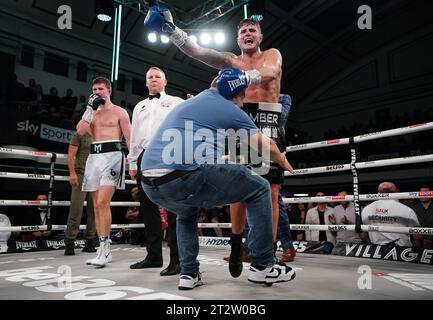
(152, 221)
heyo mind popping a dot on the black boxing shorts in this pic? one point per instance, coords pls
(266, 116)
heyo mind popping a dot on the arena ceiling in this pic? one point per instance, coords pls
(319, 39)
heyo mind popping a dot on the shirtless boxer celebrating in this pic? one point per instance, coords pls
(263, 73)
(105, 169)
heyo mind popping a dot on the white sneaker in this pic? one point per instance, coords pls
(188, 283)
(278, 273)
(103, 255)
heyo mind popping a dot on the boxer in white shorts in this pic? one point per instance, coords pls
(104, 167)
(104, 172)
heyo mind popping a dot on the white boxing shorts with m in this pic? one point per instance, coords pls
(104, 166)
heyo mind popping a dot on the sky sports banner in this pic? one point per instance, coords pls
(384, 252)
(44, 131)
(36, 130)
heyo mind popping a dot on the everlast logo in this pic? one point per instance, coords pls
(233, 84)
(382, 218)
(97, 148)
(337, 228)
(335, 167)
(26, 245)
(55, 244)
(30, 228)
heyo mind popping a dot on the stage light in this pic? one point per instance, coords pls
(257, 9)
(104, 10)
(219, 38)
(152, 37)
(164, 39)
(205, 38)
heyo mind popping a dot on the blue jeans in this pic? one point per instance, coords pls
(210, 186)
(283, 229)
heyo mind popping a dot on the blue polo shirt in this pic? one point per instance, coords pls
(194, 133)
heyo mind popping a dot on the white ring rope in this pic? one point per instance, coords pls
(41, 154)
(361, 165)
(309, 227)
(37, 176)
(362, 197)
(362, 137)
(296, 172)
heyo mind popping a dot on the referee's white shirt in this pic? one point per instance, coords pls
(146, 119)
(389, 213)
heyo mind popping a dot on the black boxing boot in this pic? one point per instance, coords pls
(69, 247)
(235, 262)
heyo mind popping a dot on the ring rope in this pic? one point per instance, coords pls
(309, 227)
(362, 137)
(362, 197)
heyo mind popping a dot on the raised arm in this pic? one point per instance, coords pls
(159, 19)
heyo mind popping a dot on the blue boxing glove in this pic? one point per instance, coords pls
(231, 81)
(159, 19)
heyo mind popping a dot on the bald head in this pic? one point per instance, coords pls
(387, 187)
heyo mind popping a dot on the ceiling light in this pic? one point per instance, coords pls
(104, 10)
(219, 38)
(152, 37)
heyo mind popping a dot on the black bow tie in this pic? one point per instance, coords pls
(158, 95)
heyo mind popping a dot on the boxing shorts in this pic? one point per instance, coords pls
(266, 116)
(104, 166)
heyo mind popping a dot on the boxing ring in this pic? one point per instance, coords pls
(49, 275)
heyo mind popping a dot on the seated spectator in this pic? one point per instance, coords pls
(4, 235)
(424, 213)
(344, 213)
(31, 91)
(319, 215)
(16, 91)
(214, 215)
(38, 217)
(81, 105)
(390, 213)
(69, 102)
(136, 235)
(297, 214)
(53, 98)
